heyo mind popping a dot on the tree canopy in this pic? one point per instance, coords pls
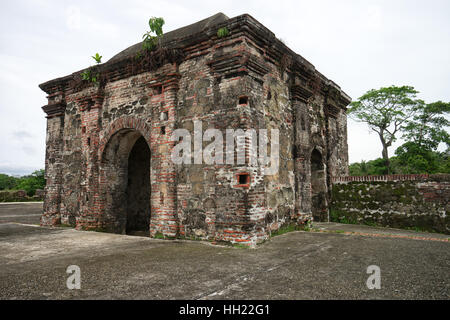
(386, 111)
(423, 134)
(395, 111)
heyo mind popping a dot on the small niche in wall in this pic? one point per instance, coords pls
(243, 100)
(158, 90)
(243, 180)
(302, 122)
(83, 130)
(163, 130)
(88, 141)
(269, 95)
(164, 116)
(90, 104)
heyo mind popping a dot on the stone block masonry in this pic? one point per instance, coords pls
(399, 201)
(108, 141)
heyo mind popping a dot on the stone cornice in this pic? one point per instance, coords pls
(55, 109)
(299, 92)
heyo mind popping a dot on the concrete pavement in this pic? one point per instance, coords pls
(330, 264)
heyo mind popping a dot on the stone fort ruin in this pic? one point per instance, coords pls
(108, 149)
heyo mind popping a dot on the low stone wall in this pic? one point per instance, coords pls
(20, 196)
(399, 201)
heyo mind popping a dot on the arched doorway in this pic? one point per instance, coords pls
(125, 177)
(318, 187)
(138, 188)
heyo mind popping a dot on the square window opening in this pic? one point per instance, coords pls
(243, 100)
(243, 179)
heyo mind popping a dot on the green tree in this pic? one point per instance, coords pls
(32, 182)
(386, 111)
(428, 128)
(423, 134)
(374, 167)
(415, 159)
(7, 182)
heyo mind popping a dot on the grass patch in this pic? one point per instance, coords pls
(346, 220)
(370, 224)
(99, 229)
(286, 229)
(239, 246)
(158, 235)
(328, 231)
(63, 225)
(230, 244)
(419, 229)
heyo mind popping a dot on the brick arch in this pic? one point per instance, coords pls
(124, 122)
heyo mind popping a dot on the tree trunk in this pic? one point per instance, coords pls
(386, 158)
(385, 153)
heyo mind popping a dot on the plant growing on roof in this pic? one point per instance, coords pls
(97, 58)
(86, 75)
(223, 32)
(90, 74)
(151, 41)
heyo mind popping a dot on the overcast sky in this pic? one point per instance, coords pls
(358, 44)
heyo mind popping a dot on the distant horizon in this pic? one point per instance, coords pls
(18, 171)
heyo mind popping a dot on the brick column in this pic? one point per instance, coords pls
(53, 159)
(302, 172)
(90, 107)
(164, 218)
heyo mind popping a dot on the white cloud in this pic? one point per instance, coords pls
(358, 44)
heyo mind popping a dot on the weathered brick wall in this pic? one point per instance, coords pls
(398, 201)
(92, 129)
(53, 170)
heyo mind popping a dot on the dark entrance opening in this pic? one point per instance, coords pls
(318, 188)
(138, 189)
